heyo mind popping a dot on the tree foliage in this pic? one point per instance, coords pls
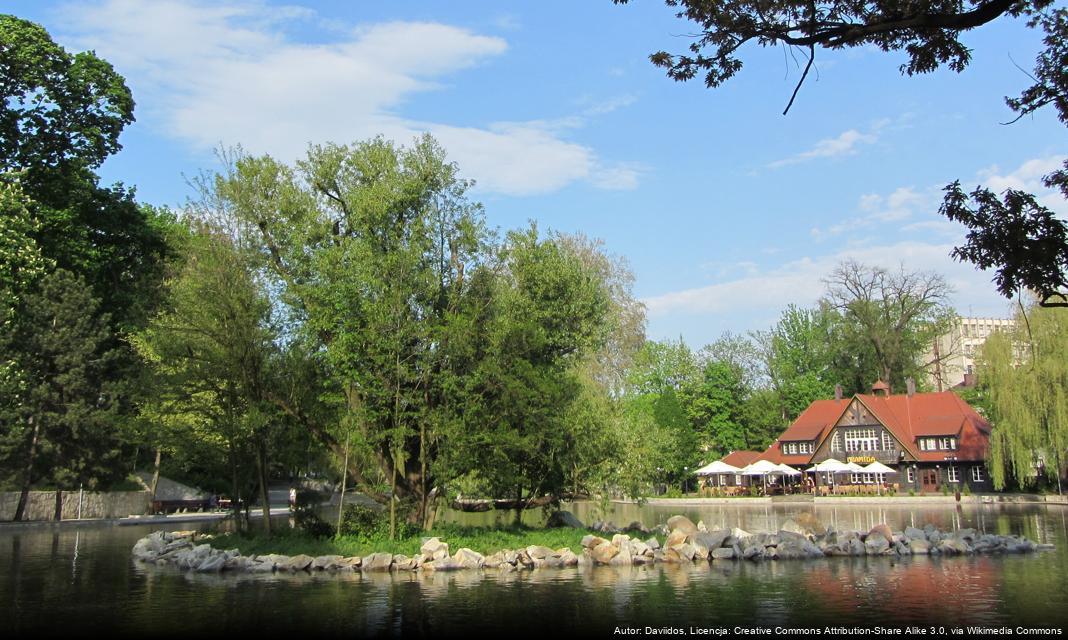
(1026, 374)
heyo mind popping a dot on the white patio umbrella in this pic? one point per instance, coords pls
(717, 467)
(878, 467)
(787, 470)
(762, 468)
(831, 466)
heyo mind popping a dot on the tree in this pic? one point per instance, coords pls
(896, 315)
(368, 246)
(213, 349)
(1021, 240)
(800, 353)
(61, 426)
(542, 312)
(1025, 373)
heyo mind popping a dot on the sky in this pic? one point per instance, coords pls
(725, 210)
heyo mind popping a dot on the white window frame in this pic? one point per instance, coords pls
(977, 473)
(737, 480)
(861, 440)
(836, 441)
(910, 474)
(952, 474)
(947, 444)
(888, 441)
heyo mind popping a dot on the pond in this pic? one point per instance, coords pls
(82, 580)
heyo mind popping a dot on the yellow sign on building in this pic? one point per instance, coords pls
(861, 459)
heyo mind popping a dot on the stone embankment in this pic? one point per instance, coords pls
(685, 543)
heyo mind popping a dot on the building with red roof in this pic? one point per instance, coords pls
(932, 440)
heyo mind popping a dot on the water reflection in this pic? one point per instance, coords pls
(56, 580)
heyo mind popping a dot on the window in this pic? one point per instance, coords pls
(861, 440)
(947, 444)
(790, 448)
(911, 475)
(804, 447)
(722, 480)
(888, 441)
(952, 475)
(737, 481)
(977, 474)
(836, 441)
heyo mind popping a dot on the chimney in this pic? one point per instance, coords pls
(837, 392)
(880, 388)
(910, 386)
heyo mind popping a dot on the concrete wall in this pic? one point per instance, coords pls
(42, 504)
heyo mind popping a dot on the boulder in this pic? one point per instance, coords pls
(404, 563)
(912, 533)
(567, 557)
(723, 553)
(712, 539)
(675, 538)
(445, 564)
(701, 526)
(539, 553)
(351, 564)
(620, 539)
(434, 548)
(377, 562)
(469, 559)
(653, 544)
(792, 527)
(603, 553)
(686, 551)
(809, 523)
(299, 562)
(636, 527)
(591, 541)
(326, 563)
(876, 545)
(882, 530)
(494, 561)
(740, 534)
(681, 523)
(213, 564)
(564, 519)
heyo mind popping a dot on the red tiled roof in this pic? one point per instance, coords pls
(741, 458)
(907, 417)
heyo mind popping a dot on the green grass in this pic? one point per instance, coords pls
(485, 540)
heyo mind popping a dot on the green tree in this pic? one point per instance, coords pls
(894, 316)
(543, 313)
(368, 246)
(61, 427)
(1022, 240)
(213, 348)
(1026, 374)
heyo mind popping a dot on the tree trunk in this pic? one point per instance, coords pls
(265, 499)
(155, 473)
(59, 506)
(393, 503)
(344, 482)
(27, 477)
(519, 505)
(235, 495)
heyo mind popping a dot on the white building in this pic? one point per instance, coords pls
(952, 357)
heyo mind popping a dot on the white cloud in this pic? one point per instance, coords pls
(845, 144)
(1028, 177)
(765, 293)
(229, 73)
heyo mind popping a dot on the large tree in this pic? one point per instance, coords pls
(1024, 242)
(1025, 374)
(893, 315)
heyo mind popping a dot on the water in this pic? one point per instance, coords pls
(82, 580)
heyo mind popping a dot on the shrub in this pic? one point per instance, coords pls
(367, 524)
(306, 516)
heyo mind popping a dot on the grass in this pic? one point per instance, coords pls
(485, 540)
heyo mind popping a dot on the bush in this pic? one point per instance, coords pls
(306, 515)
(368, 524)
(966, 490)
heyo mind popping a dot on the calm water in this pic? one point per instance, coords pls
(78, 581)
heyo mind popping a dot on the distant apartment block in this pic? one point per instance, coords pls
(952, 357)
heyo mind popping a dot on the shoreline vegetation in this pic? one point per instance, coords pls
(519, 548)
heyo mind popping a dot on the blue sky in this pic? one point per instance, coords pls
(725, 209)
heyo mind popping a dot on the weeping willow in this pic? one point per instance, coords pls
(1026, 372)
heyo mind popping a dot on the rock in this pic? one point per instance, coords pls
(620, 539)
(854, 547)
(469, 559)
(445, 564)
(624, 558)
(912, 533)
(881, 530)
(539, 553)
(723, 553)
(792, 527)
(712, 539)
(639, 548)
(809, 523)
(604, 527)
(876, 545)
(261, 566)
(568, 557)
(701, 526)
(954, 546)
(603, 553)
(212, 564)
(686, 551)
(740, 534)
(902, 549)
(564, 519)
(636, 527)
(326, 563)
(494, 561)
(352, 563)
(681, 523)
(511, 557)
(653, 544)
(675, 538)
(299, 562)
(403, 563)
(377, 562)
(434, 548)
(753, 552)
(591, 541)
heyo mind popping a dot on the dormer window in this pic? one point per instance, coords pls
(938, 444)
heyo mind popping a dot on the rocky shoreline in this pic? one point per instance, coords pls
(686, 542)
